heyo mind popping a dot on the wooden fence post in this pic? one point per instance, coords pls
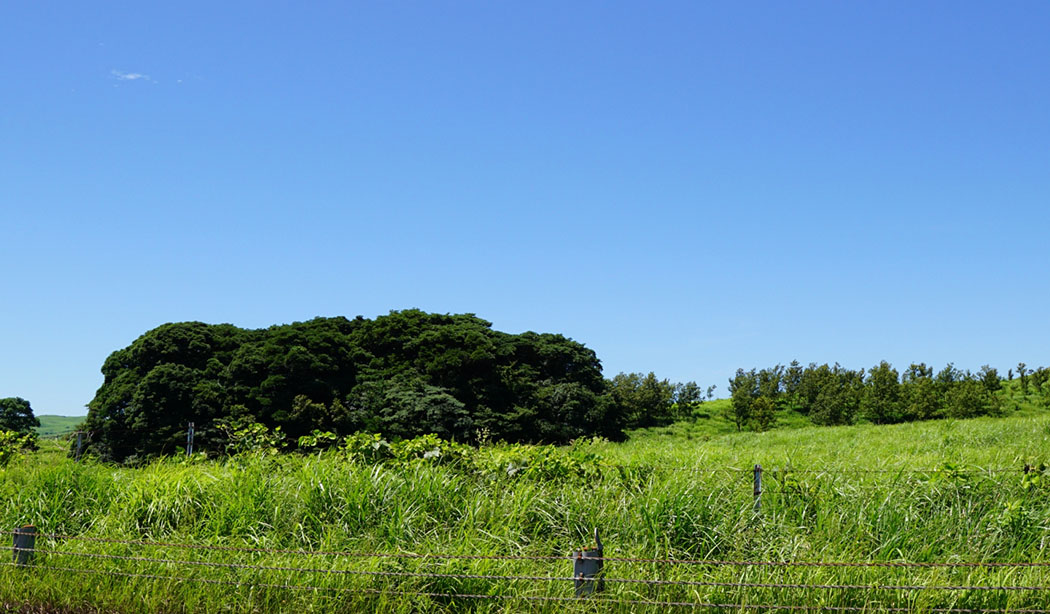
(758, 489)
(25, 542)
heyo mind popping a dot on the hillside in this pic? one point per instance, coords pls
(56, 426)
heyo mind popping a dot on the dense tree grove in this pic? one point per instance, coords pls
(833, 395)
(402, 374)
(646, 401)
(17, 415)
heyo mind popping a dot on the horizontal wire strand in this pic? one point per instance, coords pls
(689, 604)
(651, 582)
(508, 557)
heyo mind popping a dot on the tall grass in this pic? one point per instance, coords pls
(668, 493)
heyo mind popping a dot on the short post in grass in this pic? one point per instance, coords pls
(587, 566)
(25, 543)
(80, 446)
(189, 440)
(758, 489)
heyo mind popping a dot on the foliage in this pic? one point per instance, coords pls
(833, 395)
(881, 399)
(969, 398)
(16, 415)
(12, 443)
(763, 413)
(243, 436)
(743, 390)
(403, 374)
(366, 447)
(318, 439)
(644, 399)
(494, 460)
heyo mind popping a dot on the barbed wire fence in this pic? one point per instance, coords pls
(36, 558)
(48, 557)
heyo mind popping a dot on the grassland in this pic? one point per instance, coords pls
(923, 492)
(57, 426)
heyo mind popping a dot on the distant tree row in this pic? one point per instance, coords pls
(646, 401)
(832, 395)
(404, 374)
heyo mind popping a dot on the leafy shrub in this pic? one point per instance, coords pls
(243, 435)
(431, 448)
(494, 461)
(318, 439)
(366, 447)
(12, 443)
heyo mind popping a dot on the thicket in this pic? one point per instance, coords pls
(833, 395)
(404, 374)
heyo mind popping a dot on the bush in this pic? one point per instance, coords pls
(243, 436)
(495, 461)
(13, 443)
(366, 447)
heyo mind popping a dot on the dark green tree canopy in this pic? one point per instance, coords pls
(17, 415)
(402, 374)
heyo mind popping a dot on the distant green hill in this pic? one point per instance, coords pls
(56, 426)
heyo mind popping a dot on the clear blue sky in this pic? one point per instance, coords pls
(685, 187)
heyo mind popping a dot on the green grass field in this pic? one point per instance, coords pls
(57, 426)
(682, 492)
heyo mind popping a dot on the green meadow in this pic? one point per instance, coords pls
(927, 492)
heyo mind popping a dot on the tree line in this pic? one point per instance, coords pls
(833, 395)
(403, 374)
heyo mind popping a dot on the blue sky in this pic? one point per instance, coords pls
(685, 187)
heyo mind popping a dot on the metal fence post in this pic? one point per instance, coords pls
(587, 566)
(758, 489)
(189, 440)
(25, 542)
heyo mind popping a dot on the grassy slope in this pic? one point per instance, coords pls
(56, 426)
(682, 492)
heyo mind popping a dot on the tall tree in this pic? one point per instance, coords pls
(1022, 374)
(969, 398)
(17, 415)
(763, 413)
(990, 378)
(881, 399)
(686, 397)
(743, 390)
(644, 399)
(838, 397)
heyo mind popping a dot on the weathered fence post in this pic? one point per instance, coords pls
(587, 565)
(25, 542)
(758, 489)
(189, 440)
(80, 446)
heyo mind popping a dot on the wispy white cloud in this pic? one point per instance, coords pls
(129, 76)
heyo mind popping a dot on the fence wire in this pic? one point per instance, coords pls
(543, 598)
(522, 557)
(552, 579)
